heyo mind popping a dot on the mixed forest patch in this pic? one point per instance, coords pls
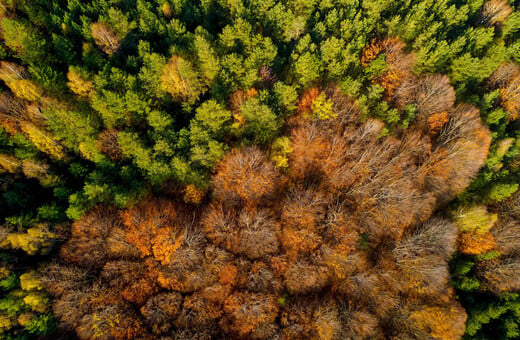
(265, 169)
(340, 244)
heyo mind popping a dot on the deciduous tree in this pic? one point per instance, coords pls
(105, 37)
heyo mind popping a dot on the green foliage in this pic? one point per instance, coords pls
(492, 317)
(469, 69)
(261, 124)
(28, 308)
(9, 283)
(153, 65)
(181, 80)
(12, 304)
(209, 62)
(41, 325)
(306, 63)
(24, 40)
(285, 96)
(23, 148)
(511, 25)
(372, 104)
(501, 191)
(211, 118)
(377, 67)
(209, 127)
(52, 213)
(119, 21)
(142, 156)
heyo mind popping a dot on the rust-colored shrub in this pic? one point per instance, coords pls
(13, 107)
(462, 147)
(239, 97)
(227, 275)
(397, 75)
(257, 236)
(303, 278)
(131, 279)
(145, 224)
(510, 98)
(390, 81)
(87, 244)
(503, 75)
(371, 51)
(248, 313)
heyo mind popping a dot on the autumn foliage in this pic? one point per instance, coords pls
(339, 244)
(507, 79)
(500, 273)
(398, 64)
(454, 138)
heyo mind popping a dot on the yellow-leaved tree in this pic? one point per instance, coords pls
(43, 140)
(80, 86)
(181, 81)
(474, 224)
(36, 239)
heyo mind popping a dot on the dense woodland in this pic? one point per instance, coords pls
(297, 169)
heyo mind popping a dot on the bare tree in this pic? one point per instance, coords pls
(258, 234)
(303, 278)
(501, 275)
(244, 175)
(494, 12)
(507, 236)
(503, 75)
(160, 311)
(434, 93)
(107, 143)
(105, 37)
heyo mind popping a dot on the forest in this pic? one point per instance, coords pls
(259, 169)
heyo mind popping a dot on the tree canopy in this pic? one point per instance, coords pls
(260, 169)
